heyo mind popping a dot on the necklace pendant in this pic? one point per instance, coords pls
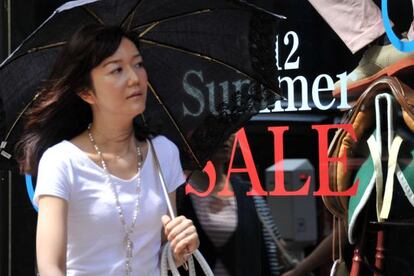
(128, 269)
(129, 244)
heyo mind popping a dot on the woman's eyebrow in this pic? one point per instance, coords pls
(136, 55)
(111, 61)
(119, 60)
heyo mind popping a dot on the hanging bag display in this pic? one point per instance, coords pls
(362, 119)
(367, 154)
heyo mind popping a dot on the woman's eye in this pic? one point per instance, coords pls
(116, 70)
(139, 64)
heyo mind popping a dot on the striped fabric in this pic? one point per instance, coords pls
(218, 217)
(263, 212)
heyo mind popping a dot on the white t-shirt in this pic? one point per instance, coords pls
(95, 234)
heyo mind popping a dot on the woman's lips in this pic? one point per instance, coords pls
(134, 95)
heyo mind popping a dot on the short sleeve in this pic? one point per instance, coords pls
(169, 158)
(52, 176)
(177, 175)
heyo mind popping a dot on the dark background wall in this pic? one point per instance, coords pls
(3, 30)
(17, 216)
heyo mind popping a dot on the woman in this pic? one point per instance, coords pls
(231, 234)
(100, 204)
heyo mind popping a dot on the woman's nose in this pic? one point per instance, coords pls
(133, 77)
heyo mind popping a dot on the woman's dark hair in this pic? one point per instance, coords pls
(59, 113)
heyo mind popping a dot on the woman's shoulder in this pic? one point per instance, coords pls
(162, 142)
(239, 182)
(59, 148)
(60, 152)
(56, 158)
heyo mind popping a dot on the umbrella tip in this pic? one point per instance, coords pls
(3, 152)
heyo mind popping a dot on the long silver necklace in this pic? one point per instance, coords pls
(128, 230)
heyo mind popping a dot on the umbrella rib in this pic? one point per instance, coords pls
(153, 24)
(94, 15)
(20, 116)
(36, 49)
(57, 44)
(149, 28)
(130, 16)
(174, 123)
(192, 53)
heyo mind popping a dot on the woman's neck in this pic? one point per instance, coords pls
(115, 138)
(201, 180)
(220, 174)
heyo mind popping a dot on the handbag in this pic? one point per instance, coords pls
(167, 260)
(362, 118)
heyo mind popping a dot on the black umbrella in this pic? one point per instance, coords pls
(211, 66)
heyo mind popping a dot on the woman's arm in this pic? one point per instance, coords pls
(320, 255)
(51, 236)
(181, 234)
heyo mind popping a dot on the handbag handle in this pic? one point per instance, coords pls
(167, 260)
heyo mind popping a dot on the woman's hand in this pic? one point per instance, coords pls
(182, 235)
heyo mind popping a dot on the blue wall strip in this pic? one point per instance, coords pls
(30, 190)
(403, 46)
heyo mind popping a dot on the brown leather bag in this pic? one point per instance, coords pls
(362, 118)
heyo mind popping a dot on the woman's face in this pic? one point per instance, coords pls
(119, 83)
(223, 152)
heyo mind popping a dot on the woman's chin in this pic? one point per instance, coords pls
(138, 111)
(219, 158)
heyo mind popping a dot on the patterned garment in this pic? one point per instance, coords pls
(218, 217)
(263, 213)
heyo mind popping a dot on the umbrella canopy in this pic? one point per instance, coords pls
(211, 66)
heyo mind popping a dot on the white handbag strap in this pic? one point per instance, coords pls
(167, 260)
(375, 151)
(384, 199)
(161, 177)
(389, 183)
